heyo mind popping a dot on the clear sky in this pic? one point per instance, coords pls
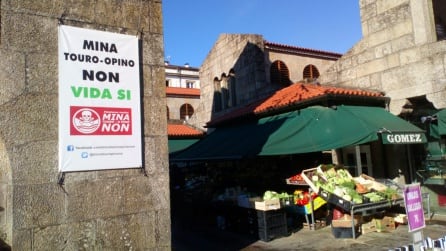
(192, 27)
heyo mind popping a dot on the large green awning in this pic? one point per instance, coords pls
(176, 145)
(311, 129)
(438, 128)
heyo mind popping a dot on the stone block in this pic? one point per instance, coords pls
(42, 72)
(82, 10)
(36, 115)
(402, 43)
(34, 162)
(155, 123)
(393, 61)
(12, 75)
(22, 240)
(128, 232)
(387, 5)
(18, 29)
(156, 152)
(142, 195)
(90, 200)
(383, 50)
(153, 49)
(52, 237)
(409, 56)
(371, 67)
(37, 205)
(42, 7)
(75, 236)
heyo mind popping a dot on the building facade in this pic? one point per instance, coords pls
(182, 91)
(402, 52)
(241, 68)
(126, 209)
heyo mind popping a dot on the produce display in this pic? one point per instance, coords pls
(339, 182)
(299, 197)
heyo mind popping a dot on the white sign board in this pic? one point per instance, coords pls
(99, 100)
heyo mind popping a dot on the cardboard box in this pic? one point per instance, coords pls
(399, 218)
(386, 224)
(318, 224)
(346, 221)
(266, 205)
(368, 227)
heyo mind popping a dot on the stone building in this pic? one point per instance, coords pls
(182, 91)
(402, 52)
(241, 68)
(126, 209)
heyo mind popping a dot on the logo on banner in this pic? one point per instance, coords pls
(100, 121)
(86, 121)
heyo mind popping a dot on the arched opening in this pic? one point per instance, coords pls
(186, 111)
(280, 73)
(310, 72)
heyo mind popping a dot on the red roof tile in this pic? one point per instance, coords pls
(292, 95)
(182, 91)
(182, 130)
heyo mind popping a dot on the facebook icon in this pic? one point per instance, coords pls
(70, 148)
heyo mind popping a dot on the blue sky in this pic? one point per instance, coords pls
(192, 27)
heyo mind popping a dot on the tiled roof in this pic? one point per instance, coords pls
(182, 130)
(302, 51)
(293, 95)
(182, 91)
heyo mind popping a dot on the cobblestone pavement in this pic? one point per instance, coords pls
(186, 236)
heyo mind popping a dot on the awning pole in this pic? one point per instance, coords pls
(358, 159)
(410, 162)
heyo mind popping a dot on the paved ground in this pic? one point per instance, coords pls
(195, 237)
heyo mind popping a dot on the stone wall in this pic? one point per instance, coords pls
(96, 210)
(398, 54)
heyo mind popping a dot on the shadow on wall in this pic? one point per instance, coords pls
(247, 80)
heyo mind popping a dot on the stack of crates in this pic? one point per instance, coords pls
(272, 224)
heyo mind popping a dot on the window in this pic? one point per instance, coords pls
(189, 84)
(224, 91)
(217, 95)
(167, 82)
(231, 86)
(280, 73)
(439, 7)
(168, 114)
(186, 111)
(310, 72)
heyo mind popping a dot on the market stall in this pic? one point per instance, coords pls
(358, 196)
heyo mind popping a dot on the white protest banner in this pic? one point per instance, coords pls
(99, 100)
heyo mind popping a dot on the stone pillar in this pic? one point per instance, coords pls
(96, 210)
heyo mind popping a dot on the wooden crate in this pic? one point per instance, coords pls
(315, 226)
(386, 224)
(368, 227)
(266, 205)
